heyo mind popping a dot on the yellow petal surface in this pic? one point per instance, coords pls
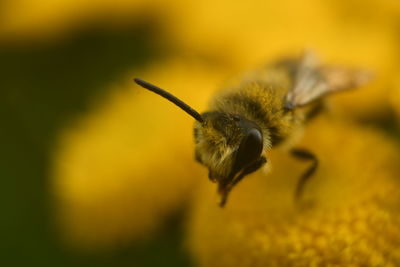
(349, 214)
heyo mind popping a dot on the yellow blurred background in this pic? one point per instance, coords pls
(98, 172)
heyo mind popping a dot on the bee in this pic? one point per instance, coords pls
(263, 111)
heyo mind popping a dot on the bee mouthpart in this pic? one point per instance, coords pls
(213, 178)
(224, 188)
(224, 198)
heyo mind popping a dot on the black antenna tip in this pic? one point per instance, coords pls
(185, 107)
(139, 81)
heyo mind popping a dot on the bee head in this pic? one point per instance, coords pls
(227, 144)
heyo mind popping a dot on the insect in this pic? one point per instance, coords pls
(233, 138)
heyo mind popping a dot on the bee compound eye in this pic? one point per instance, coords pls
(250, 149)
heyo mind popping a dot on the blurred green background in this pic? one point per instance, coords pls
(43, 87)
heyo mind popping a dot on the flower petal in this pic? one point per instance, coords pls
(348, 214)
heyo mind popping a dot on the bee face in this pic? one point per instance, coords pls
(226, 144)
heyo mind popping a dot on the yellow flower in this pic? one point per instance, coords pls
(123, 169)
(108, 169)
(349, 214)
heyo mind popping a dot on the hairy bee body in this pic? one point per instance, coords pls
(260, 99)
(264, 110)
(263, 102)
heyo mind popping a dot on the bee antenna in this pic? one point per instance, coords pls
(185, 107)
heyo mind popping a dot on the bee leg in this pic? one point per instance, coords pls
(304, 155)
(248, 170)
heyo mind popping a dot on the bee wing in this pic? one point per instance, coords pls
(312, 81)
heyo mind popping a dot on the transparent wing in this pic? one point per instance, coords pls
(312, 81)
